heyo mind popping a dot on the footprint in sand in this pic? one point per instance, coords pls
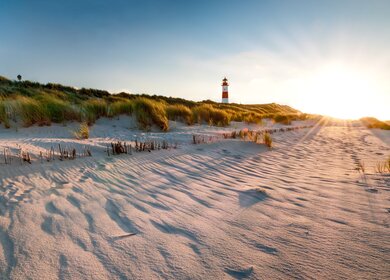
(240, 273)
(52, 209)
(266, 249)
(77, 190)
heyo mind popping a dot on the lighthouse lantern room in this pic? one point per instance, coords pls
(225, 94)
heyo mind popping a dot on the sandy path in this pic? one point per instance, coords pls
(218, 211)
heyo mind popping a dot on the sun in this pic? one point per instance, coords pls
(339, 91)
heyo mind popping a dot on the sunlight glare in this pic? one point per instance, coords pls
(339, 91)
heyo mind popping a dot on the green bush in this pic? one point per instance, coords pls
(149, 112)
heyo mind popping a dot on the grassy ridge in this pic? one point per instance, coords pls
(34, 103)
(370, 122)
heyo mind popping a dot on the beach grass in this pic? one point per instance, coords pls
(179, 112)
(206, 113)
(82, 132)
(383, 167)
(120, 107)
(3, 114)
(371, 122)
(34, 103)
(267, 139)
(150, 112)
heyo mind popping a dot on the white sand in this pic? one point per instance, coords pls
(226, 210)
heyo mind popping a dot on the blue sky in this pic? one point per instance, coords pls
(270, 50)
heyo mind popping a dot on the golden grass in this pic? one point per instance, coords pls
(120, 107)
(35, 103)
(3, 114)
(383, 167)
(82, 132)
(149, 112)
(179, 112)
(267, 139)
(206, 113)
(370, 122)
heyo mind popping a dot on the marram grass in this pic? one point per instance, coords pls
(33, 103)
(150, 112)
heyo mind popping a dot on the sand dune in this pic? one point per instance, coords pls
(226, 210)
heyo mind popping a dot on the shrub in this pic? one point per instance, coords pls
(267, 139)
(149, 112)
(179, 112)
(82, 132)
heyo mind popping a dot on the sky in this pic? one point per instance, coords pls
(327, 57)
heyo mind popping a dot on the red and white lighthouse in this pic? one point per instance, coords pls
(225, 94)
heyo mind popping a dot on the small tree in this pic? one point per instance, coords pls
(19, 77)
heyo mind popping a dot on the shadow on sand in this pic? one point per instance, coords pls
(250, 197)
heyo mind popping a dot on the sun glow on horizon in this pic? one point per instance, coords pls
(342, 92)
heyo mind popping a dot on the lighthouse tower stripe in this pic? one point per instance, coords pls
(225, 94)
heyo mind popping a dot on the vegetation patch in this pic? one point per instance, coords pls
(267, 139)
(206, 113)
(149, 112)
(179, 112)
(383, 167)
(34, 103)
(4, 114)
(82, 132)
(370, 122)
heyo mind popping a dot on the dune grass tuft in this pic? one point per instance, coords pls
(251, 117)
(120, 107)
(383, 167)
(206, 113)
(267, 139)
(82, 132)
(179, 112)
(3, 114)
(93, 109)
(58, 110)
(149, 112)
(375, 123)
(31, 111)
(283, 119)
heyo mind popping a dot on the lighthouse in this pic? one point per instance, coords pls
(225, 94)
